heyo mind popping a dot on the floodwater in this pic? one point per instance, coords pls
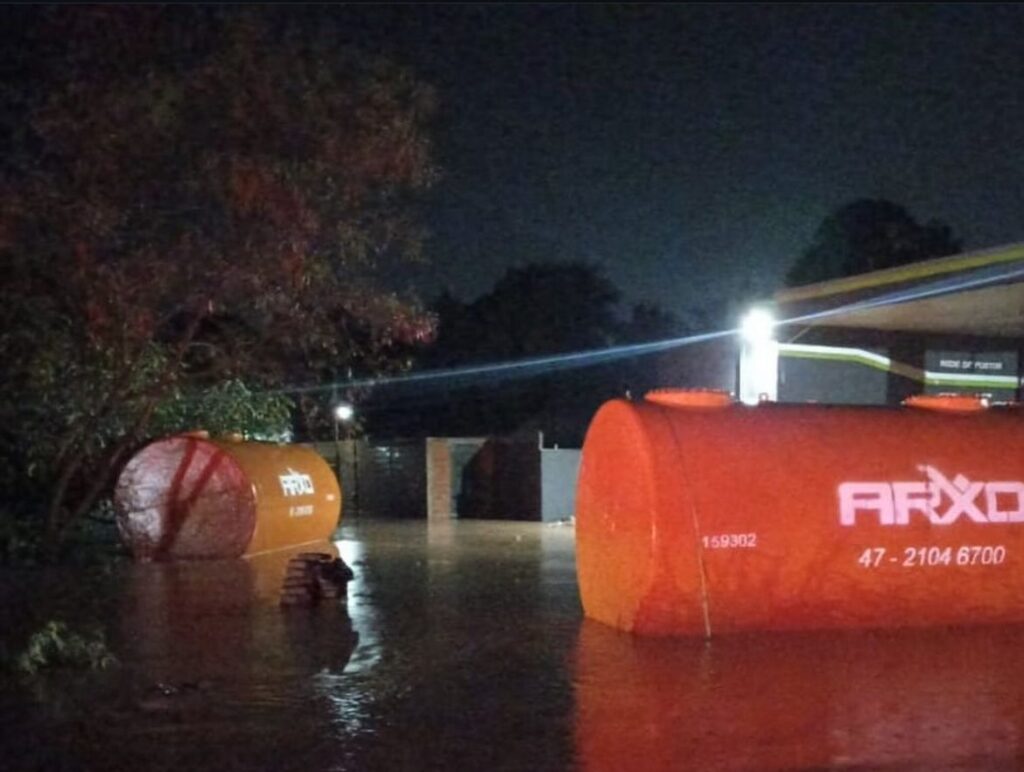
(462, 647)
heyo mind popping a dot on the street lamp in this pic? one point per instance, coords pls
(757, 325)
(344, 412)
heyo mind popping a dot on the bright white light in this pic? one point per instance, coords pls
(757, 326)
(343, 411)
(759, 358)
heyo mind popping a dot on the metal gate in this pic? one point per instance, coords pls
(384, 479)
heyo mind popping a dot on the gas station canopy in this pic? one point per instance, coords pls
(978, 293)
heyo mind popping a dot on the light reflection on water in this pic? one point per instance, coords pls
(360, 607)
(462, 646)
(926, 699)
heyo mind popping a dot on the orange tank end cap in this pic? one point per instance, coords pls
(948, 403)
(700, 398)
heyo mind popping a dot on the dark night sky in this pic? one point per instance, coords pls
(693, 150)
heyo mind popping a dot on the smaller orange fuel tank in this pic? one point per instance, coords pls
(192, 497)
(696, 515)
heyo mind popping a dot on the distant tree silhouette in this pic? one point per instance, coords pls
(649, 322)
(534, 310)
(537, 308)
(868, 235)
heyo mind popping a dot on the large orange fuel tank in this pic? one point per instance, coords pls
(696, 515)
(192, 497)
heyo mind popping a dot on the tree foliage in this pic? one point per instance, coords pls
(228, 407)
(533, 310)
(868, 235)
(56, 644)
(198, 200)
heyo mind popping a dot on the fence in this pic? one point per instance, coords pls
(379, 479)
(454, 477)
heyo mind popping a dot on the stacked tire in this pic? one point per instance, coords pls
(314, 576)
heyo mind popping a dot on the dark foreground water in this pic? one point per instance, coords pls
(462, 647)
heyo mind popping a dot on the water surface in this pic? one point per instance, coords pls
(462, 646)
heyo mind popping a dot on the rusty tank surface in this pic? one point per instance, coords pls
(190, 497)
(697, 515)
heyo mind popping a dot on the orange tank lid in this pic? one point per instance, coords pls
(948, 403)
(689, 397)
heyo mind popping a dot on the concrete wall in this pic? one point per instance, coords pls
(446, 461)
(559, 469)
(438, 461)
(499, 478)
(448, 477)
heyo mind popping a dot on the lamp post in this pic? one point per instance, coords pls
(759, 357)
(343, 413)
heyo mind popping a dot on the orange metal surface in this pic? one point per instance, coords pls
(700, 521)
(950, 403)
(192, 497)
(689, 397)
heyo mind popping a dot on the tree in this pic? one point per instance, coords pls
(649, 322)
(534, 310)
(868, 235)
(199, 199)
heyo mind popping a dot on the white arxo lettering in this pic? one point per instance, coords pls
(961, 492)
(1005, 502)
(875, 497)
(940, 500)
(913, 497)
(295, 483)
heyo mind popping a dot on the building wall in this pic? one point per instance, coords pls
(454, 477)
(438, 461)
(713, 364)
(918, 364)
(980, 362)
(833, 382)
(559, 469)
(487, 478)
(501, 480)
